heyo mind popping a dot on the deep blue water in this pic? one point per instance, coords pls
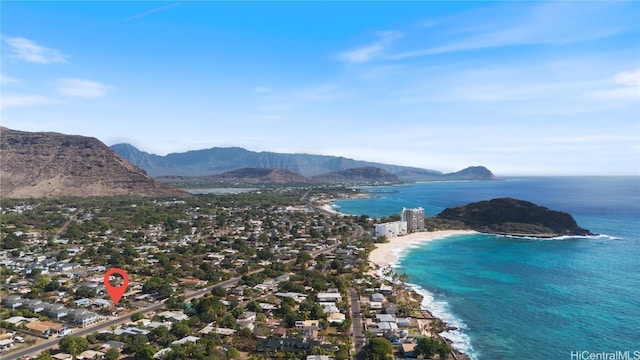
(530, 298)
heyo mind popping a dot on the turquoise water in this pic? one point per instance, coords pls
(516, 298)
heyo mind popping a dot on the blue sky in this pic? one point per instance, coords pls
(524, 88)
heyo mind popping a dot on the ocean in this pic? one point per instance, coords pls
(520, 298)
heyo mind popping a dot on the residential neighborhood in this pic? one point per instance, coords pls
(265, 275)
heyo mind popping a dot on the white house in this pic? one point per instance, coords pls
(329, 297)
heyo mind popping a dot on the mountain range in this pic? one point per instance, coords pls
(49, 164)
(218, 160)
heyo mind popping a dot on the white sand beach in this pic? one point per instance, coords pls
(386, 254)
(329, 208)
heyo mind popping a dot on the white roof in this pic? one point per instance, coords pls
(186, 339)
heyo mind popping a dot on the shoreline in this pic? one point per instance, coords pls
(326, 205)
(388, 254)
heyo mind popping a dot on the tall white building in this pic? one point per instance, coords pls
(391, 229)
(414, 218)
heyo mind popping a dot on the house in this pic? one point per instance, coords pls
(385, 318)
(287, 345)
(84, 318)
(248, 315)
(118, 345)
(6, 343)
(310, 332)
(279, 332)
(225, 331)
(336, 318)
(307, 323)
(193, 282)
(297, 297)
(377, 297)
(17, 320)
(329, 297)
(13, 301)
(319, 357)
(34, 305)
(173, 316)
(409, 350)
(161, 353)
(329, 307)
(90, 354)
(102, 303)
(390, 309)
(82, 302)
(268, 307)
(186, 339)
(386, 289)
(407, 322)
(62, 356)
(45, 327)
(59, 312)
(375, 305)
(131, 331)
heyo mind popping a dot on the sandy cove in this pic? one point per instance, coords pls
(386, 254)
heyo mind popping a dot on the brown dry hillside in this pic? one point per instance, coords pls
(46, 164)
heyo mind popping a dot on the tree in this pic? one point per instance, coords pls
(379, 349)
(73, 345)
(303, 257)
(180, 330)
(429, 347)
(112, 354)
(233, 353)
(136, 343)
(146, 353)
(45, 355)
(218, 291)
(137, 316)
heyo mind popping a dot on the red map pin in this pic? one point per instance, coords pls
(116, 292)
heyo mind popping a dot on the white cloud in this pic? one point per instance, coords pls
(29, 51)
(24, 100)
(82, 88)
(630, 78)
(152, 11)
(369, 52)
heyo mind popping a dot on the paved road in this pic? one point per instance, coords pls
(358, 336)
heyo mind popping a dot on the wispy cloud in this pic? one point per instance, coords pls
(4, 79)
(152, 11)
(82, 88)
(7, 101)
(624, 85)
(371, 51)
(548, 23)
(262, 89)
(27, 50)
